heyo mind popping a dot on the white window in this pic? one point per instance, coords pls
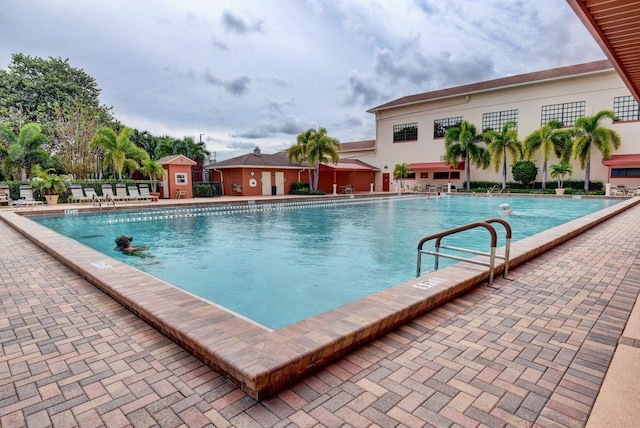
(181, 178)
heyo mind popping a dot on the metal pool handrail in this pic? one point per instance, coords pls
(492, 254)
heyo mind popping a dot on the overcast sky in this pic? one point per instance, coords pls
(257, 73)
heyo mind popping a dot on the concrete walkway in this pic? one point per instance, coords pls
(555, 344)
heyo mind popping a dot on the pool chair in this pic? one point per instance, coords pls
(135, 195)
(121, 193)
(92, 195)
(145, 194)
(78, 196)
(183, 193)
(5, 198)
(26, 198)
(107, 192)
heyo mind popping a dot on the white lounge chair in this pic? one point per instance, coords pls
(146, 194)
(78, 196)
(135, 194)
(26, 197)
(121, 193)
(91, 194)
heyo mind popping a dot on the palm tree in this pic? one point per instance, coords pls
(314, 147)
(401, 171)
(461, 142)
(298, 152)
(560, 170)
(548, 138)
(193, 150)
(321, 148)
(153, 170)
(119, 149)
(24, 150)
(499, 143)
(588, 132)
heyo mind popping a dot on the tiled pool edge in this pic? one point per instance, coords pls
(263, 362)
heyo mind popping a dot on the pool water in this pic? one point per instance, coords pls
(280, 263)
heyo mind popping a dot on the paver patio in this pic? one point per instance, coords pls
(531, 350)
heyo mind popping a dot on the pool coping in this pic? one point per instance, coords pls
(261, 361)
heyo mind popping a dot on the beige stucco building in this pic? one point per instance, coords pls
(411, 129)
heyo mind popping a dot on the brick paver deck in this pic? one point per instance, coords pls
(532, 350)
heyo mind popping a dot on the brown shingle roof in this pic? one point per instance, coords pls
(357, 145)
(279, 159)
(537, 76)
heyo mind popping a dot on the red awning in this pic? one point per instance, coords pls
(623, 160)
(434, 165)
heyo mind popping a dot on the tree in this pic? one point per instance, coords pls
(153, 170)
(524, 172)
(189, 148)
(32, 86)
(315, 147)
(588, 132)
(298, 152)
(24, 150)
(560, 170)
(461, 142)
(548, 138)
(74, 128)
(119, 150)
(499, 143)
(401, 171)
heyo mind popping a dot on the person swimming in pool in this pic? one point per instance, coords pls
(123, 244)
(506, 209)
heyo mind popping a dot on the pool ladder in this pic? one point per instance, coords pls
(108, 198)
(491, 255)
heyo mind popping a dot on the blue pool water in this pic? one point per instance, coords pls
(278, 264)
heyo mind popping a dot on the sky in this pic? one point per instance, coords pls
(241, 74)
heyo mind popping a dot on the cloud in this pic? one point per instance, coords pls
(267, 130)
(236, 24)
(236, 86)
(362, 91)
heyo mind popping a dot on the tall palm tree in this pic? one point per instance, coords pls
(314, 147)
(461, 142)
(119, 149)
(154, 171)
(549, 138)
(499, 143)
(321, 148)
(24, 150)
(588, 132)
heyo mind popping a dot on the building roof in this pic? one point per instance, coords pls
(357, 145)
(257, 160)
(350, 165)
(615, 25)
(176, 160)
(504, 82)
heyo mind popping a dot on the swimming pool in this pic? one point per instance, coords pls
(280, 263)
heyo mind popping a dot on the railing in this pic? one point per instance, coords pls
(96, 200)
(492, 254)
(499, 189)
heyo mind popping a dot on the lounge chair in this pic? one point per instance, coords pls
(146, 194)
(121, 193)
(91, 193)
(78, 196)
(135, 194)
(26, 197)
(5, 198)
